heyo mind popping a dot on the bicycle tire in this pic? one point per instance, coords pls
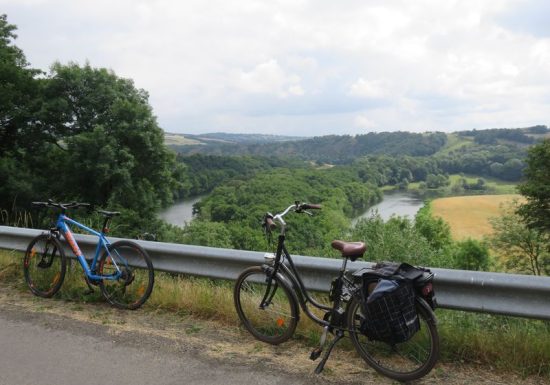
(273, 324)
(135, 285)
(44, 265)
(405, 361)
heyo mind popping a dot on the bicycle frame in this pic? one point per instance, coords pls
(103, 244)
(291, 273)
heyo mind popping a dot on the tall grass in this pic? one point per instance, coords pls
(505, 343)
(16, 218)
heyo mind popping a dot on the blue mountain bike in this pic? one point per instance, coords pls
(123, 270)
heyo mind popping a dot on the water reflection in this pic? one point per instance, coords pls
(399, 203)
(180, 213)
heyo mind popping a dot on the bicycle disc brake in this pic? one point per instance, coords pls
(47, 259)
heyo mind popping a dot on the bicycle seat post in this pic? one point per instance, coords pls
(105, 228)
(344, 265)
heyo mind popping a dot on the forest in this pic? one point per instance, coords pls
(79, 133)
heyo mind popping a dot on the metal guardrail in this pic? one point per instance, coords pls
(497, 293)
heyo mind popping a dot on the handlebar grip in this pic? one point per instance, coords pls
(39, 204)
(269, 223)
(307, 206)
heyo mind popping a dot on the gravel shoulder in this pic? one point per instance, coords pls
(217, 344)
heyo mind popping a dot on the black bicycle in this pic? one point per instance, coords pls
(268, 299)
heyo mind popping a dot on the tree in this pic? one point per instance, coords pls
(471, 254)
(114, 146)
(20, 92)
(522, 249)
(436, 231)
(536, 188)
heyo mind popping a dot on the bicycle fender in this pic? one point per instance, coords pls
(429, 312)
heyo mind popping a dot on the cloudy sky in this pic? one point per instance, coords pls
(299, 67)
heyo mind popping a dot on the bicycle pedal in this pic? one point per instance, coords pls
(315, 353)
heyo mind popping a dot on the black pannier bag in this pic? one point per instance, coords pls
(391, 317)
(389, 308)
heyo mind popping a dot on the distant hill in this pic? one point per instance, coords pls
(338, 149)
(224, 138)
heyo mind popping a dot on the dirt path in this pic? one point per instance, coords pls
(224, 344)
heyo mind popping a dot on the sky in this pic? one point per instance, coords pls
(306, 68)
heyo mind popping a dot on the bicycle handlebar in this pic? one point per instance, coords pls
(62, 206)
(307, 206)
(297, 207)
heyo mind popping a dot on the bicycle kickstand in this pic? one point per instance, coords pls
(315, 353)
(321, 366)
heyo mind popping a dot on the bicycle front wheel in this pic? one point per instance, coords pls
(135, 282)
(275, 320)
(405, 361)
(44, 265)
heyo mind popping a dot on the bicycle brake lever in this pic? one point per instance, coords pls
(307, 212)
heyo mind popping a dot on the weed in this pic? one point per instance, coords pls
(504, 343)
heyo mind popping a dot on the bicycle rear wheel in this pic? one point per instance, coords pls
(135, 284)
(274, 322)
(44, 265)
(405, 361)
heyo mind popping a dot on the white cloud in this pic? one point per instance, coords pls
(268, 78)
(309, 65)
(370, 89)
(363, 121)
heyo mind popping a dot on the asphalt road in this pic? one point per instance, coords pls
(44, 349)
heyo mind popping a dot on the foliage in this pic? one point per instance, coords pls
(79, 133)
(206, 233)
(471, 254)
(202, 173)
(20, 96)
(436, 231)
(240, 205)
(522, 249)
(394, 240)
(334, 148)
(493, 136)
(436, 181)
(536, 188)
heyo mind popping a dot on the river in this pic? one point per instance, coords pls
(400, 203)
(181, 212)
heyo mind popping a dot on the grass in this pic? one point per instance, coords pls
(503, 343)
(179, 140)
(495, 186)
(469, 216)
(454, 142)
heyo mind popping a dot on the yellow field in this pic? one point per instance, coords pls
(469, 216)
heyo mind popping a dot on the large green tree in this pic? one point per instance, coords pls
(114, 148)
(79, 133)
(20, 100)
(21, 130)
(536, 188)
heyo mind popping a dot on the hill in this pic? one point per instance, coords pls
(218, 138)
(341, 149)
